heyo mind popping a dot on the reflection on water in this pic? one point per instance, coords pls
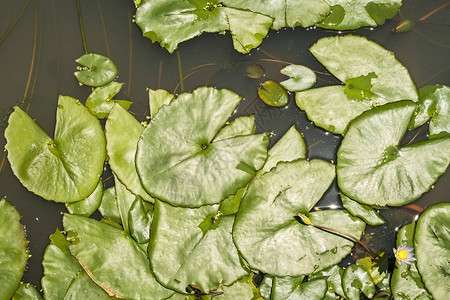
(37, 61)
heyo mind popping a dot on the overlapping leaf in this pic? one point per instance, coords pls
(66, 168)
(86, 207)
(269, 236)
(373, 168)
(371, 74)
(178, 161)
(13, 250)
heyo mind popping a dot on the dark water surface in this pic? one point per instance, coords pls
(37, 61)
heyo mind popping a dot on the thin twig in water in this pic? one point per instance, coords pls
(36, 69)
(2, 165)
(180, 72)
(80, 19)
(15, 21)
(130, 56)
(434, 11)
(105, 35)
(414, 137)
(58, 66)
(160, 73)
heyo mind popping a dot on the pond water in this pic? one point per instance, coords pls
(37, 60)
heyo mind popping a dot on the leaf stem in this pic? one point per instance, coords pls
(180, 71)
(433, 12)
(307, 221)
(80, 19)
(15, 21)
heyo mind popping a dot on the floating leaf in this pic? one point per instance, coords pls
(310, 290)
(241, 289)
(406, 281)
(284, 287)
(347, 15)
(82, 287)
(122, 132)
(434, 104)
(111, 256)
(125, 200)
(60, 267)
(266, 221)
(377, 267)
(100, 100)
(302, 78)
(432, 242)
(255, 71)
(87, 206)
(334, 279)
(193, 247)
(176, 160)
(13, 250)
(139, 220)
(265, 288)
(26, 291)
(238, 127)
(286, 13)
(171, 22)
(365, 212)
(356, 279)
(158, 98)
(273, 94)
(373, 169)
(66, 168)
(377, 75)
(98, 70)
(108, 207)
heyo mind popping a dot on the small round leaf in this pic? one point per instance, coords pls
(98, 70)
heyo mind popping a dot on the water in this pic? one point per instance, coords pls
(50, 30)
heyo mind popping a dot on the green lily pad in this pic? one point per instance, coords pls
(286, 13)
(432, 243)
(13, 250)
(373, 169)
(310, 290)
(112, 259)
(406, 281)
(108, 207)
(26, 291)
(86, 207)
(98, 70)
(82, 287)
(193, 247)
(66, 168)
(302, 78)
(434, 104)
(158, 98)
(372, 77)
(139, 220)
(100, 100)
(238, 127)
(176, 160)
(334, 279)
(273, 94)
(241, 289)
(60, 267)
(125, 200)
(284, 287)
(356, 279)
(122, 132)
(266, 230)
(348, 15)
(265, 288)
(365, 212)
(171, 22)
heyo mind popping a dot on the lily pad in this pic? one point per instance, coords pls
(432, 242)
(302, 78)
(100, 100)
(273, 94)
(82, 287)
(108, 207)
(238, 127)
(372, 167)
(66, 168)
(286, 13)
(284, 287)
(26, 291)
(171, 22)
(139, 220)
(348, 15)
(176, 160)
(372, 77)
(60, 267)
(266, 230)
(265, 288)
(13, 250)
(406, 281)
(365, 212)
(334, 279)
(86, 207)
(158, 98)
(310, 290)
(110, 256)
(98, 70)
(434, 104)
(125, 200)
(193, 247)
(355, 280)
(122, 132)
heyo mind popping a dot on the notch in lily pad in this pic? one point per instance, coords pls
(97, 70)
(302, 78)
(273, 94)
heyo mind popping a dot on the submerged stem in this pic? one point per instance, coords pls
(80, 19)
(15, 21)
(307, 221)
(180, 72)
